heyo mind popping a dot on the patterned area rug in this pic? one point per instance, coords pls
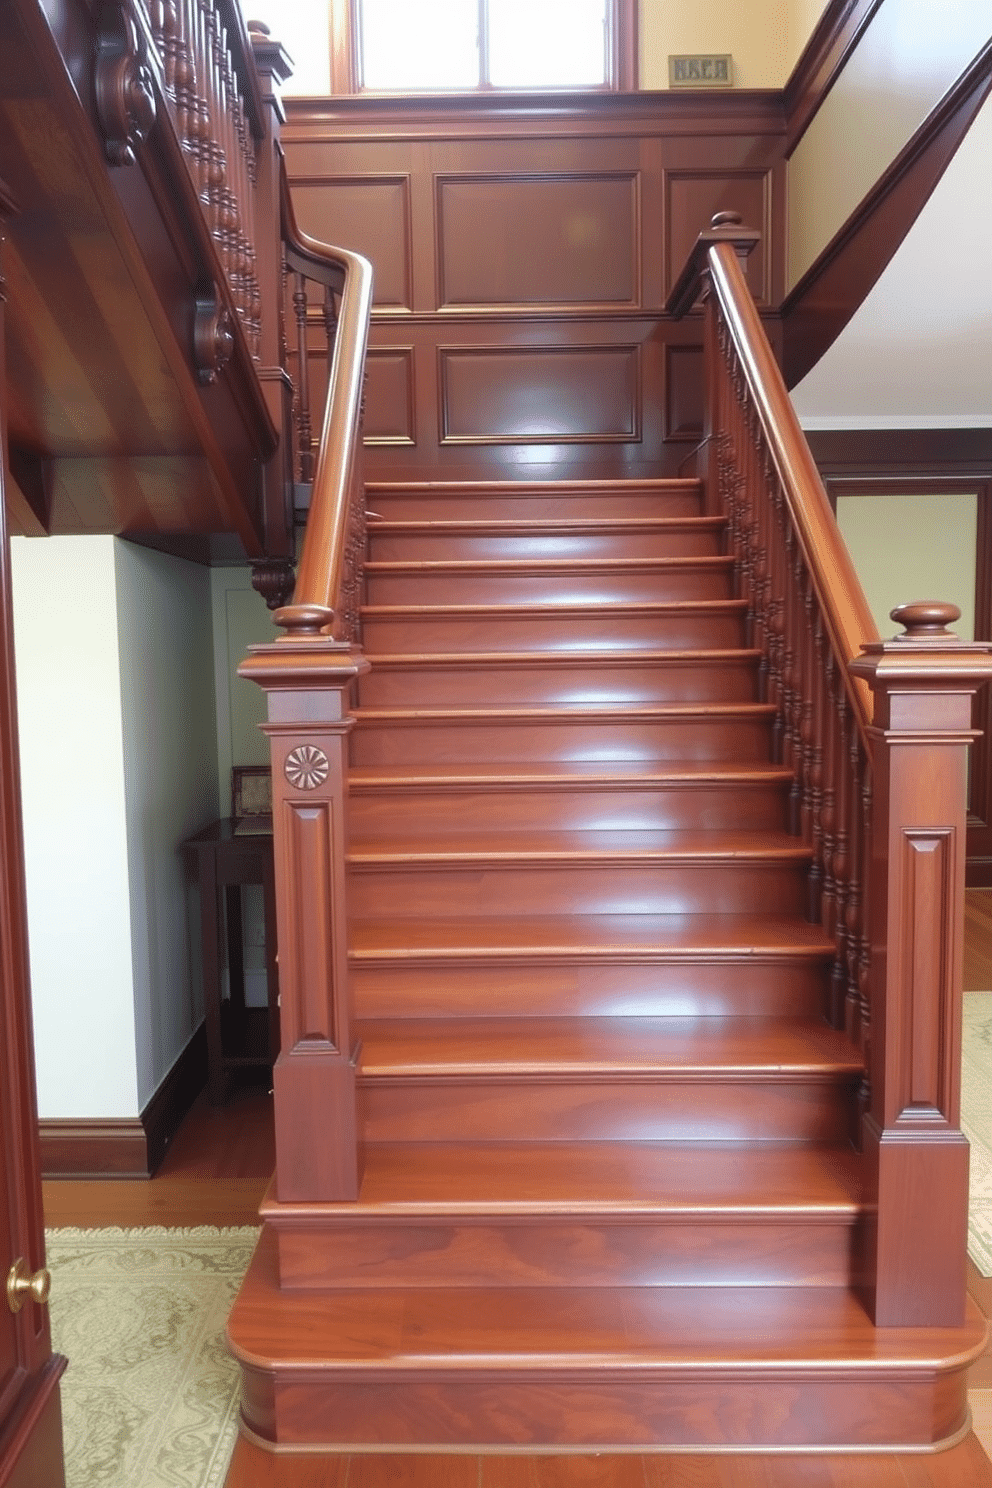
(150, 1396)
(976, 1122)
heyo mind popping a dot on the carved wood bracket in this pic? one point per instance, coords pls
(213, 335)
(125, 96)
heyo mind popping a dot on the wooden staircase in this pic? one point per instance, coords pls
(610, 1192)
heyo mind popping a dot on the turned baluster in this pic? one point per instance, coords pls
(844, 788)
(814, 764)
(828, 798)
(776, 619)
(304, 429)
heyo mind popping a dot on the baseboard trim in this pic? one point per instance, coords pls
(127, 1147)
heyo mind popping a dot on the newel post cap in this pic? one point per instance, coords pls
(928, 667)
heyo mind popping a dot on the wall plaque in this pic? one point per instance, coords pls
(701, 72)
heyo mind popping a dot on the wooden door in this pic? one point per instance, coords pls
(30, 1415)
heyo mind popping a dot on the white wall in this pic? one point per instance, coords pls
(118, 757)
(75, 829)
(171, 788)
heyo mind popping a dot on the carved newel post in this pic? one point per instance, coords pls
(923, 683)
(307, 677)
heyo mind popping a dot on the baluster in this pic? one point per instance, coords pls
(841, 864)
(864, 950)
(856, 840)
(817, 683)
(776, 619)
(305, 433)
(763, 635)
(828, 796)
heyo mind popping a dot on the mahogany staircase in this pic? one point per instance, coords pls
(619, 873)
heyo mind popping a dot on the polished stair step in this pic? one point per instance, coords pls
(636, 965)
(568, 794)
(542, 501)
(580, 872)
(564, 582)
(465, 679)
(635, 537)
(701, 731)
(678, 625)
(579, 1214)
(560, 1079)
(708, 1367)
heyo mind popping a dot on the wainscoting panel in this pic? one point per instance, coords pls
(390, 411)
(370, 215)
(538, 240)
(691, 198)
(541, 395)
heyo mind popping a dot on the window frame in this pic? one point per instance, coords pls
(345, 76)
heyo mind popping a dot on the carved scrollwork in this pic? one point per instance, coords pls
(274, 579)
(306, 767)
(213, 335)
(125, 95)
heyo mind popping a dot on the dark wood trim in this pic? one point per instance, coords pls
(130, 1147)
(344, 46)
(821, 304)
(31, 1444)
(164, 1113)
(824, 58)
(917, 454)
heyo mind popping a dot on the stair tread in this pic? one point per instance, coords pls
(550, 607)
(430, 568)
(576, 773)
(661, 1047)
(581, 485)
(685, 937)
(596, 1178)
(560, 527)
(558, 659)
(665, 1331)
(567, 711)
(583, 844)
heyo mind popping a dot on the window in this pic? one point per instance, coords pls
(465, 45)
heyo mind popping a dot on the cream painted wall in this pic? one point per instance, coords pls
(75, 826)
(888, 87)
(118, 758)
(171, 789)
(913, 546)
(765, 37)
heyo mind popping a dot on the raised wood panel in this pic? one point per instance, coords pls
(540, 394)
(683, 394)
(693, 196)
(538, 240)
(390, 411)
(370, 215)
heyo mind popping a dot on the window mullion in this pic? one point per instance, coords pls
(484, 81)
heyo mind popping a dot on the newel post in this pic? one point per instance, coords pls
(308, 681)
(917, 1157)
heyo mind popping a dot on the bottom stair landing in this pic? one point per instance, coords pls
(590, 1368)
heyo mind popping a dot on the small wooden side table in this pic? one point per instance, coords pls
(224, 860)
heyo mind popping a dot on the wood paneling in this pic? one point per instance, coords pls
(538, 240)
(691, 199)
(523, 253)
(370, 214)
(540, 395)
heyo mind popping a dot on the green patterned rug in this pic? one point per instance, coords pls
(150, 1397)
(976, 1122)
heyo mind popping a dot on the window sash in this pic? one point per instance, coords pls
(621, 62)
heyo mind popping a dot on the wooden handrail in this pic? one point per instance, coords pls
(318, 600)
(717, 254)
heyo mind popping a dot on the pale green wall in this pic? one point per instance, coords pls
(913, 546)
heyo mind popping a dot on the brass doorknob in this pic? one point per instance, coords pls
(21, 1285)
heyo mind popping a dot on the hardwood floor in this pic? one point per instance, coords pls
(216, 1174)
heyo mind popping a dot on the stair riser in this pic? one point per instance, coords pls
(698, 1250)
(448, 742)
(534, 505)
(747, 988)
(596, 630)
(678, 1108)
(654, 586)
(744, 808)
(507, 686)
(605, 1409)
(440, 546)
(426, 892)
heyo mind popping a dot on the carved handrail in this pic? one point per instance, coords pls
(329, 578)
(879, 788)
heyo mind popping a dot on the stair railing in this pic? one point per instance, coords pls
(308, 675)
(876, 735)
